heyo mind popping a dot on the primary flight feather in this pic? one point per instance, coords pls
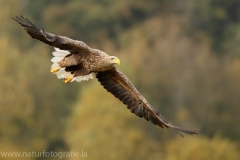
(75, 61)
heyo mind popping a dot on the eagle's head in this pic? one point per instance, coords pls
(113, 60)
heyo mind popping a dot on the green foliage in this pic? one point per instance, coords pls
(216, 18)
(199, 148)
(33, 106)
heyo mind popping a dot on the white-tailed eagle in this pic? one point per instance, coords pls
(75, 61)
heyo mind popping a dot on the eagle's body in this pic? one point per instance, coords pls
(94, 61)
(74, 60)
(74, 66)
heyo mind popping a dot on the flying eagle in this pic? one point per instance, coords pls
(75, 61)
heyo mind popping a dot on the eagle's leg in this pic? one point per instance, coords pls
(68, 79)
(54, 70)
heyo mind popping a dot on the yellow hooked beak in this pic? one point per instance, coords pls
(116, 61)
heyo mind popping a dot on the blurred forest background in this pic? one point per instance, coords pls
(183, 56)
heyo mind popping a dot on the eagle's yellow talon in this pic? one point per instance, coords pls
(54, 70)
(68, 79)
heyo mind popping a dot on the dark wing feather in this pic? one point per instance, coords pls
(61, 42)
(120, 86)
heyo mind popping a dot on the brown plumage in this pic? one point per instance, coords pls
(74, 60)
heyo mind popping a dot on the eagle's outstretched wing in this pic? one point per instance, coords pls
(61, 42)
(120, 86)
